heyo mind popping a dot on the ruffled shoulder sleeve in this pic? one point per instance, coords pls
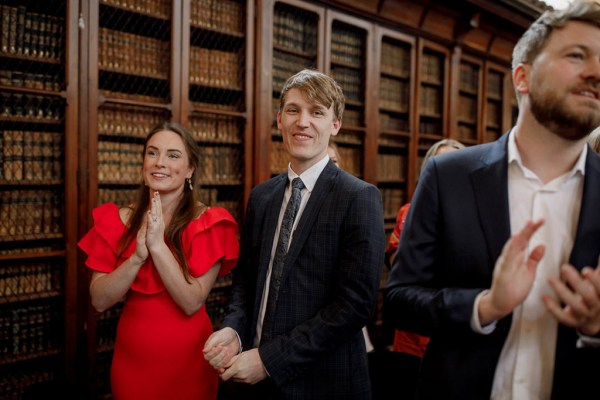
(101, 243)
(211, 238)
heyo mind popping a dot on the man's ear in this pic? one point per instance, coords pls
(520, 78)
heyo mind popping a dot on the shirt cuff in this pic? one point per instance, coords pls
(475, 324)
(239, 341)
(587, 342)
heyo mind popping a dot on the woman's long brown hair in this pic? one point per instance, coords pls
(188, 208)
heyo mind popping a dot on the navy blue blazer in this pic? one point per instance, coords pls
(328, 290)
(455, 230)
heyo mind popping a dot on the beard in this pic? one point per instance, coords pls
(553, 113)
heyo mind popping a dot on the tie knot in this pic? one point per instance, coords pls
(297, 184)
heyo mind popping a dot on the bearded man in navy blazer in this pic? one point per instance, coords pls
(499, 257)
(315, 347)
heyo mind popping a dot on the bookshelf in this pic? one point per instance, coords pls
(292, 36)
(432, 98)
(81, 82)
(147, 63)
(469, 100)
(131, 85)
(37, 131)
(348, 44)
(497, 119)
(396, 58)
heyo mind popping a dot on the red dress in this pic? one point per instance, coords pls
(405, 342)
(158, 349)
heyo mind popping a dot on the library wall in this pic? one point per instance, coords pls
(34, 138)
(81, 84)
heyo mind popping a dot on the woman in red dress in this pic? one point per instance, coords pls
(161, 255)
(409, 342)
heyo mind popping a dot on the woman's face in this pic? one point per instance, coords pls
(166, 163)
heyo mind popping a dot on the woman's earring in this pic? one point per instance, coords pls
(189, 181)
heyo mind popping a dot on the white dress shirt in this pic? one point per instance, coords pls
(309, 178)
(526, 365)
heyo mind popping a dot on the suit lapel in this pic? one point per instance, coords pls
(490, 185)
(322, 187)
(273, 206)
(587, 239)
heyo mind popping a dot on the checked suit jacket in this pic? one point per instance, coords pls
(328, 290)
(455, 231)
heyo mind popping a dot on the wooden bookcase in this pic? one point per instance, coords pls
(38, 113)
(147, 63)
(292, 34)
(497, 110)
(348, 44)
(81, 83)
(433, 93)
(395, 58)
(468, 126)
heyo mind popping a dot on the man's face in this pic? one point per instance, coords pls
(306, 129)
(564, 81)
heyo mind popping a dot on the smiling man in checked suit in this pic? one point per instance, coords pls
(312, 346)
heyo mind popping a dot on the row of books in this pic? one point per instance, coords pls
(494, 114)
(394, 94)
(123, 95)
(391, 167)
(26, 250)
(495, 83)
(467, 133)
(31, 80)
(222, 15)
(392, 199)
(395, 59)
(106, 326)
(467, 109)
(221, 165)
(296, 31)
(430, 101)
(161, 8)
(28, 330)
(432, 127)
(32, 108)
(120, 196)
(469, 77)
(217, 128)
(134, 54)
(392, 122)
(130, 121)
(286, 65)
(351, 81)
(216, 306)
(24, 279)
(216, 68)
(432, 68)
(13, 386)
(347, 46)
(120, 162)
(31, 34)
(30, 212)
(31, 155)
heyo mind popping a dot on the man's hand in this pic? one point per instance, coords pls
(514, 274)
(578, 304)
(246, 367)
(220, 348)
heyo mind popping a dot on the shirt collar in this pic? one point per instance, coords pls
(310, 176)
(515, 156)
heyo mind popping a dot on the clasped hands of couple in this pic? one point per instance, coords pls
(576, 304)
(222, 351)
